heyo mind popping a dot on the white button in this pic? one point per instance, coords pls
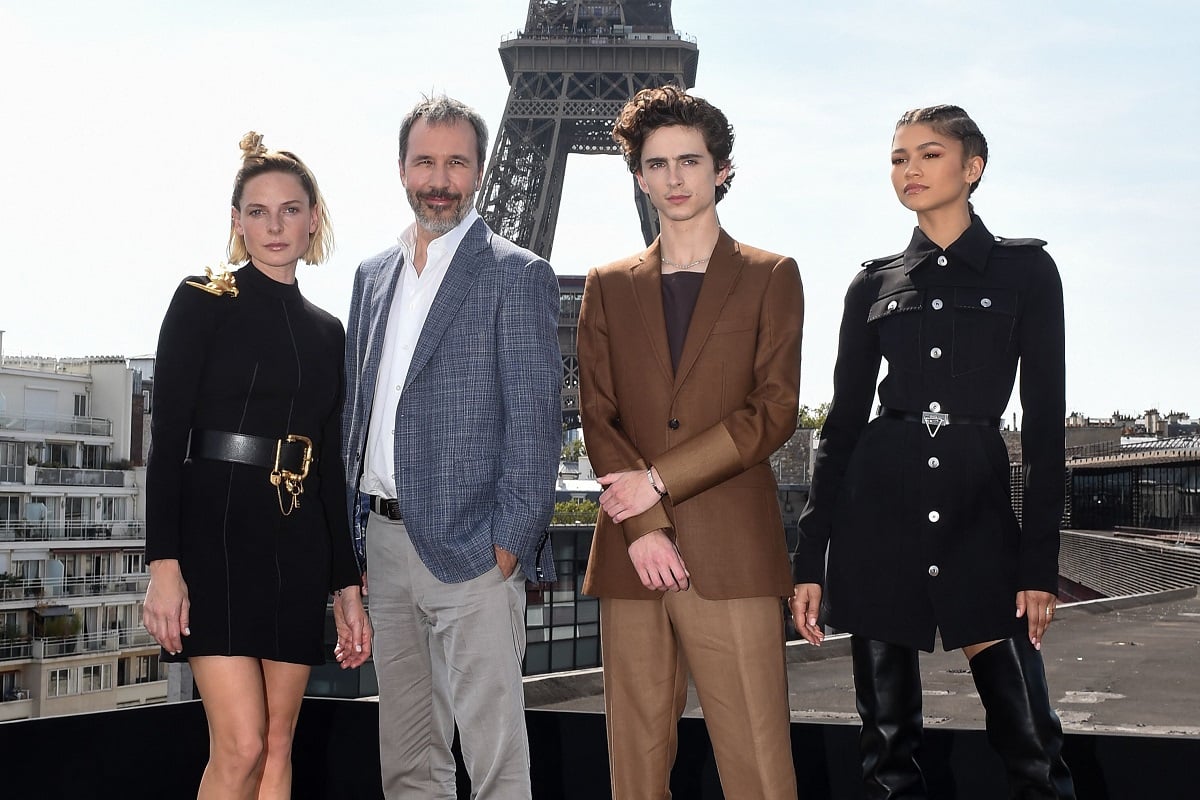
(986, 302)
(933, 570)
(892, 305)
(997, 238)
(935, 406)
(942, 261)
(937, 304)
(935, 352)
(934, 463)
(934, 516)
(399, 387)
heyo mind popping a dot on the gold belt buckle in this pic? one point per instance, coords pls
(293, 482)
(934, 422)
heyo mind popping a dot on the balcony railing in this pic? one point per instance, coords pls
(62, 476)
(110, 641)
(71, 530)
(85, 586)
(76, 426)
(14, 649)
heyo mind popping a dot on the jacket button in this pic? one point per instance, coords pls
(934, 463)
(673, 424)
(892, 306)
(937, 304)
(935, 406)
(935, 352)
(933, 570)
(942, 261)
(986, 302)
(934, 516)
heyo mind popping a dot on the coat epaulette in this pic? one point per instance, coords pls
(1003, 242)
(879, 263)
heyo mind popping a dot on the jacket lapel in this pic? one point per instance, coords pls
(460, 277)
(379, 299)
(647, 289)
(719, 280)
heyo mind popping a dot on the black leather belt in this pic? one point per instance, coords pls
(936, 420)
(386, 506)
(292, 454)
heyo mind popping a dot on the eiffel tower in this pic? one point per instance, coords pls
(570, 71)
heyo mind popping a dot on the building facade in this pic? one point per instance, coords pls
(72, 539)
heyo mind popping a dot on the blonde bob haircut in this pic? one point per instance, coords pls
(258, 160)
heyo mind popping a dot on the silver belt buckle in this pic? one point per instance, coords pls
(934, 422)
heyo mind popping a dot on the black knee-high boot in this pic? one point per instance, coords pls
(887, 686)
(1021, 725)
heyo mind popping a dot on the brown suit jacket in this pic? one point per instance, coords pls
(708, 428)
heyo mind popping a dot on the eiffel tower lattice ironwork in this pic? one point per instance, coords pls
(570, 71)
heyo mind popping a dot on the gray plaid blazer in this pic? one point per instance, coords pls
(479, 423)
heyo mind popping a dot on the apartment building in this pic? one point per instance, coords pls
(72, 539)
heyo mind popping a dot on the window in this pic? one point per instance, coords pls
(9, 683)
(12, 462)
(81, 405)
(95, 677)
(132, 563)
(60, 455)
(10, 508)
(138, 669)
(115, 508)
(61, 683)
(94, 456)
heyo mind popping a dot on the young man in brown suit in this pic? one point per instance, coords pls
(690, 369)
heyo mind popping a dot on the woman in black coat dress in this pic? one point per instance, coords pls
(246, 522)
(914, 505)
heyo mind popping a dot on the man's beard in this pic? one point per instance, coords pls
(446, 220)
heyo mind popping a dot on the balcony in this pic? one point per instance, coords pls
(113, 641)
(67, 476)
(71, 530)
(72, 426)
(38, 589)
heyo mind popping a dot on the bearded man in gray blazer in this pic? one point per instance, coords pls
(452, 434)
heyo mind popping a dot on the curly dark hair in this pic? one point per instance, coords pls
(951, 121)
(663, 106)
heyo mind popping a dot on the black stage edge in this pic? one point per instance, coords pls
(159, 752)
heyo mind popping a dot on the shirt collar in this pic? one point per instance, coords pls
(447, 242)
(971, 248)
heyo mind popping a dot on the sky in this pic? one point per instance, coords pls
(121, 119)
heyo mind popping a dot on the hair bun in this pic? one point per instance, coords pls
(252, 146)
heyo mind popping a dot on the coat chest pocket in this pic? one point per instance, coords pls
(896, 320)
(984, 321)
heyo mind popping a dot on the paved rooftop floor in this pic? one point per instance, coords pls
(1125, 665)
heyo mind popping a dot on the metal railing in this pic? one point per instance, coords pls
(110, 641)
(77, 426)
(71, 530)
(15, 649)
(85, 586)
(68, 476)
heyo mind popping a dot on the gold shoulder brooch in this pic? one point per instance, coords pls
(221, 283)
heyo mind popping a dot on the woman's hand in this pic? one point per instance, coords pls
(353, 628)
(166, 610)
(806, 607)
(1038, 609)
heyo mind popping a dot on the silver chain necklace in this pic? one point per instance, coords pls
(695, 263)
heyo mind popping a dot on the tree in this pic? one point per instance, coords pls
(573, 450)
(574, 512)
(812, 417)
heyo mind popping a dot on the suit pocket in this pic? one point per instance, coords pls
(734, 324)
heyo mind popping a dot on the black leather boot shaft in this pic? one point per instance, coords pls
(887, 686)
(1021, 724)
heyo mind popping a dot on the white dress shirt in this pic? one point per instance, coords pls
(410, 306)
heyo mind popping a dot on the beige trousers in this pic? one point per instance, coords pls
(733, 650)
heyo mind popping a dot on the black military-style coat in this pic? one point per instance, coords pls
(920, 530)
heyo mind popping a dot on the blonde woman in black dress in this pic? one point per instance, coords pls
(246, 524)
(914, 504)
